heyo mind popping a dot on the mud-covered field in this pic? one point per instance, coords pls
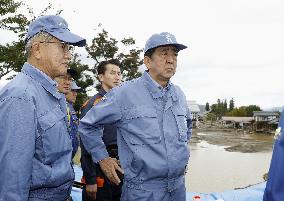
(235, 141)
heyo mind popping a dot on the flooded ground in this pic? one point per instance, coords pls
(226, 160)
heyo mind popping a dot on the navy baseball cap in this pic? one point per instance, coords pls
(163, 39)
(72, 72)
(55, 26)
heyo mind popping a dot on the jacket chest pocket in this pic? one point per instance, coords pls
(181, 120)
(54, 134)
(142, 125)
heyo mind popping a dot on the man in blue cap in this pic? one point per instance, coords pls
(65, 84)
(35, 147)
(73, 120)
(274, 190)
(153, 128)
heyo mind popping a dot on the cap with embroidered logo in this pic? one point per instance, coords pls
(163, 39)
(55, 26)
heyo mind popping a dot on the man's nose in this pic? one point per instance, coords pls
(170, 59)
(118, 77)
(67, 55)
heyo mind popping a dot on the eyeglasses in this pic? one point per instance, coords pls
(65, 46)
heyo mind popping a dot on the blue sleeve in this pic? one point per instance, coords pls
(17, 148)
(106, 111)
(87, 165)
(274, 186)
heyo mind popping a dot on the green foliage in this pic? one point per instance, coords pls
(207, 107)
(225, 105)
(252, 108)
(220, 108)
(244, 111)
(211, 117)
(104, 47)
(9, 6)
(238, 112)
(12, 55)
(83, 79)
(231, 104)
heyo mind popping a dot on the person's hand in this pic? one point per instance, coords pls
(109, 167)
(91, 190)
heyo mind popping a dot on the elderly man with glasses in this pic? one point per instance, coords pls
(35, 147)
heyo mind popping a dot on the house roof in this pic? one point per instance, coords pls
(193, 106)
(238, 119)
(264, 113)
(202, 108)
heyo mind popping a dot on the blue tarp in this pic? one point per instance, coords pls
(252, 193)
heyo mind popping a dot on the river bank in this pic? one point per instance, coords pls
(234, 140)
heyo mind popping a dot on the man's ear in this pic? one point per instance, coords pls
(147, 61)
(35, 50)
(100, 77)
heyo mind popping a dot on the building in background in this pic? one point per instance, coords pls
(194, 112)
(265, 121)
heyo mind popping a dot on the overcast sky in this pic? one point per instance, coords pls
(236, 47)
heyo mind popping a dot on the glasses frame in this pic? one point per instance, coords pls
(66, 47)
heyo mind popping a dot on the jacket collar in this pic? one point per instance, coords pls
(102, 92)
(155, 89)
(44, 80)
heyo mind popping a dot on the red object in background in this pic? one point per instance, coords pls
(196, 198)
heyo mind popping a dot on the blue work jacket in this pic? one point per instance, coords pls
(73, 122)
(274, 190)
(153, 128)
(35, 147)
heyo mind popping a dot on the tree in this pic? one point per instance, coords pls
(12, 55)
(16, 23)
(244, 111)
(219, 109)
(211, 117)
(231, 104)
(104, 47)
(238, 112)
(207, 107)
(218, 101)
(83, 79)
(252, 108)
(225, 105)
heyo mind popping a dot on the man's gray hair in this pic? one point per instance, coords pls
(44, 37)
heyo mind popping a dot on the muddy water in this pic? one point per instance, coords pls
(226, 160)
